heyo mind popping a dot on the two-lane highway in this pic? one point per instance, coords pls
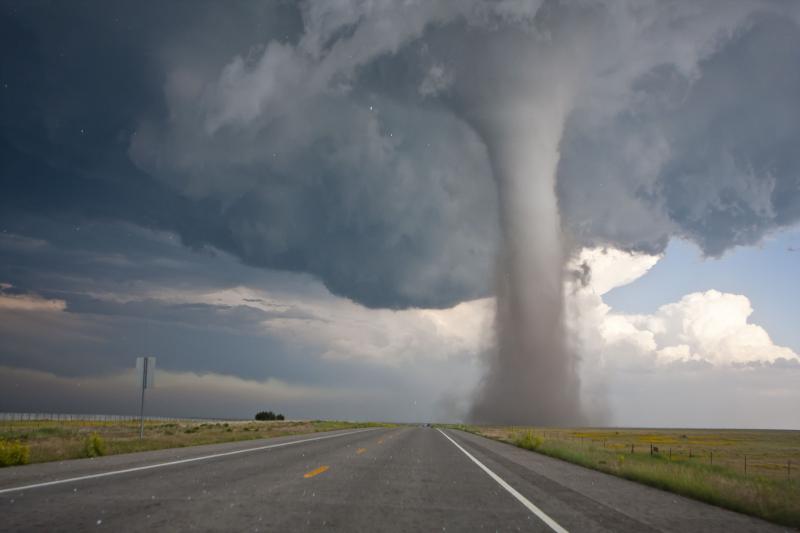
(398, 479)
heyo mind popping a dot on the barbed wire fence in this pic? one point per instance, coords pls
(746, 463)
(9, 418)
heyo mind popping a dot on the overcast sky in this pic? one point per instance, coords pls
(292, 205)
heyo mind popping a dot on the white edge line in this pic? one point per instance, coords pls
(522, 499)
(172, 463)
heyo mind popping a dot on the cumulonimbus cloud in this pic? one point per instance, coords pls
(710, 327)
(349, 140)
(322, 138)
(644, 155)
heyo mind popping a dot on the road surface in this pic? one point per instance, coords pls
(395, 479)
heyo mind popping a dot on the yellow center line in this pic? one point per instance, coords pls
(316, 471)
(360, 451)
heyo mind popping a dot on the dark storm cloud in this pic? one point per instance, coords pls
(71, 332)
(78, 349)
(98, 304)
(79, 83)
(61, 260)
(231, 317)
(709, 155)
(90, 336)
(315, 138)
(370, 181)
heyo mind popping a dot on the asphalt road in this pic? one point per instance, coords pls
(400, 479)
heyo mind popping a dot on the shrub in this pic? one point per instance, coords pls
(94, 445)
(268, 415)
(13, 453)
(528, 441)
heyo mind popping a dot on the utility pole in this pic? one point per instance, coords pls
(146, 370)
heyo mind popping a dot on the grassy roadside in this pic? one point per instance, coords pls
(41, 441)
(760, 494)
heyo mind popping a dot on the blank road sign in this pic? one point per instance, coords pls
(146, 371)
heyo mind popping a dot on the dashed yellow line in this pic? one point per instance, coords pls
(316, 471)
(360, 451)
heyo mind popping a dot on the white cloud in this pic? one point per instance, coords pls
(610, 268)
(709, 327)
(713, 326)
(696, 362)
(342, 329)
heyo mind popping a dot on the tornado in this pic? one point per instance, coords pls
(520, 111)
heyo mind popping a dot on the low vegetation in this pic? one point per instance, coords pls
(38, 441)
(94, 445)
(13, 452)
(708, 465)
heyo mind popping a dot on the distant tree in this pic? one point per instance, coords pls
(265, 415)
(279, 417)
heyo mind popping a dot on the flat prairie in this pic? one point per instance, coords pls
(58, 440)
(755, 472)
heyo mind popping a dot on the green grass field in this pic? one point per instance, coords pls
(47, 440)
(708, 465)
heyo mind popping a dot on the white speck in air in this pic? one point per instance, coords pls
(99, 522)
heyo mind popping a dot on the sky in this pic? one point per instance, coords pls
(312, 207)
(765, 273)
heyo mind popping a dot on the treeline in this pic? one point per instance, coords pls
(268, 415)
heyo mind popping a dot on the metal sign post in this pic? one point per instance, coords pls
(146, 370)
